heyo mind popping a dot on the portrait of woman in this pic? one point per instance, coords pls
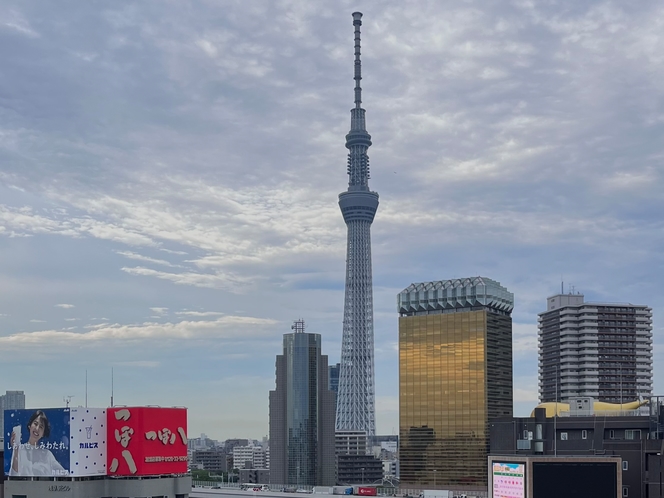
(33, 458)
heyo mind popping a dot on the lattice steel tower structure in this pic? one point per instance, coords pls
(356, 397)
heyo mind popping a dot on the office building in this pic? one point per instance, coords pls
(598, 350)
(333, 381)
(302, 414)
(635, 435)
(455, 374)
(333, 377)
(356, 410)
(11, 400)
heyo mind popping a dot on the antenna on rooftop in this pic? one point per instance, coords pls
(67, 400)
(111, 387)
(298, 326)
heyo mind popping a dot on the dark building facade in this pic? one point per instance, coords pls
(302, 414)
(256, 476)
(598, 350)
(214, 460)
(635, 437)
(455, 374)
(359, 469)
(333, 381)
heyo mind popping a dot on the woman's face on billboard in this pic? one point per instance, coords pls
(36, 430)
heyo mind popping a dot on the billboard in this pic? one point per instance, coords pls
(55, 442)
(87, 440)
(508, 480)
(147, 441)
(37, 442)
(575, 479)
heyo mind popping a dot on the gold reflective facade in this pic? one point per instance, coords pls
(455, 374)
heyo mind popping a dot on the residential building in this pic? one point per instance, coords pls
(359, 469)
(213, 460)
(455, 375)
(598, 350)
(249, 457)
(350, 443)
(302, 414)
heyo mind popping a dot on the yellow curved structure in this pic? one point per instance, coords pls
(553, 408)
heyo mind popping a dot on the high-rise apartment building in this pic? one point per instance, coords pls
(455, 374)
(598, 350)
(302, 414)
(249, 457)
(356, 409)
(11, 400)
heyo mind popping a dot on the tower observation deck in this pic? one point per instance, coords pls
(356, 397)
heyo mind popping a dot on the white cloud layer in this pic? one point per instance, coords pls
(184, 161)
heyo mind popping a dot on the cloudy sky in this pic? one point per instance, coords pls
(169, 174)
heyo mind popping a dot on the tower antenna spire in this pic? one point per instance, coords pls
(357, 22)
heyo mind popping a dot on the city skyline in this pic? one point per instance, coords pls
(169, 178)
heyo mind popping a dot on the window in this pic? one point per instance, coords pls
(612, 434)
(563, 436)
(625, 465)
(633, 434)
(525, 434)
(584, 434)
(625, 491)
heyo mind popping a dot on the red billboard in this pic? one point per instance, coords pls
(146, 441)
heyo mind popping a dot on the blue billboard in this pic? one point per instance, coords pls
(37, 442)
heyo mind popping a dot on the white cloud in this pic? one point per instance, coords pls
(147, 259)
(64, 306)
(222, 328)
(199, 313)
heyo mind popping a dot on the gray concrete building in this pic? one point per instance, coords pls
(302, 414)
(598, 350)
(11, 400)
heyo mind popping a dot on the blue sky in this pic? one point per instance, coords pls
(169, 174)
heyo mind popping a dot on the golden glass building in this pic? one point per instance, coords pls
(455, 374)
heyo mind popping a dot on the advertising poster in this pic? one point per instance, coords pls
(37, 442)
(508, 480)
(147, 441)
(87, 441)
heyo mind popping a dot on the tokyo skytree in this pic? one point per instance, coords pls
(356, 396)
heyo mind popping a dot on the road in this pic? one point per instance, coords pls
(236, 493)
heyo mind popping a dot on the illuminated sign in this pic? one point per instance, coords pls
(147, 441)
(55, 442)
(508, 480)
